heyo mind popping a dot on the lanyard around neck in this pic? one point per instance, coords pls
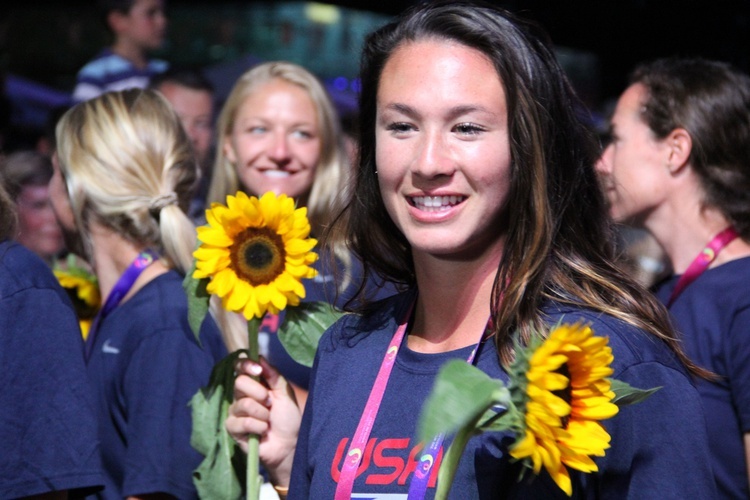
(119, 291)
(418, 484)
(702, 261)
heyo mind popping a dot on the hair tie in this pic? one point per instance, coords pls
(162, 201)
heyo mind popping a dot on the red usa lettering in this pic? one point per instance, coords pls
(389, 461)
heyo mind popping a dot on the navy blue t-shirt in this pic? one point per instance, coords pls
(659, 446)
(47, 420)
(145, 366)
(713, 316)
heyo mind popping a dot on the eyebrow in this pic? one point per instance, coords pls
(453, 113)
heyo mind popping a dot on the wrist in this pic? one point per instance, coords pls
(282, 491)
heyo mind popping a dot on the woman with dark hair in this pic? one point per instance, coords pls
(476, 190)
(678, 166)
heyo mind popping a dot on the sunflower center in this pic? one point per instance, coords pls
(564, 394)
(258, 255)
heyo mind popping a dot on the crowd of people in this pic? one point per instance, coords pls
(478, 209)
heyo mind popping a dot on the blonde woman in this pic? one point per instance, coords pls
(121, 191)
(278, 131)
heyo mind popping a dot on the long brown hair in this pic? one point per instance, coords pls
(558, 244)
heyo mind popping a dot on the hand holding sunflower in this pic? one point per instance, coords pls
(253, 255)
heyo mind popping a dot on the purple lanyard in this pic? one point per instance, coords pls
(120, 290)
(418, 485)
(702, 261)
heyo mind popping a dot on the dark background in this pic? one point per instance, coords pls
(46, 42)
(624, 32)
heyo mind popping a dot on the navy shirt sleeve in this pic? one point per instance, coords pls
(47, 423)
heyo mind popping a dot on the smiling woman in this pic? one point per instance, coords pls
(278, 132)
(475, 187)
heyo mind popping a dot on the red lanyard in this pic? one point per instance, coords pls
(702, 261)
(367, 420)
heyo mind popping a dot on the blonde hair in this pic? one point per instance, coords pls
(328, 190)
(332, 169)
(128, 165)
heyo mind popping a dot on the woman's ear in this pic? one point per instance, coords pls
(680, 145)
(229, 150)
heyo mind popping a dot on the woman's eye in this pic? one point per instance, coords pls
(399, 127)
(303, 134)
(468, 129)
(256, 130)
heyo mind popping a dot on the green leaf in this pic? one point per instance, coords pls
(625, 394)
(221, 473)
(198, 299)
(461, 395)
(302, 328)
(215, 477)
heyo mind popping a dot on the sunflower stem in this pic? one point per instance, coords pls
(253, 479)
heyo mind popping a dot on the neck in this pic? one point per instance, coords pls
(686, 230)
(112, 254)
(453, 306)
(130, 52)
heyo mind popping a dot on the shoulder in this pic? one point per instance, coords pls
(375, 325)
(22, 270)
(156, 66)
(161, 305)
(631, 346)
(104, 63)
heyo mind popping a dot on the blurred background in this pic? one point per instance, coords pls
(43, 44)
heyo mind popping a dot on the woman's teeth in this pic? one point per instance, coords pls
(436, 203)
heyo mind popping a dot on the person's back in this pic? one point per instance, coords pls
(138, 27)
(47, 421)
(126, 170)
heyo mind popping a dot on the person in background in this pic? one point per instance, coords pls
(138, 27)
(25, 176)
(192, 96)
(678, 166)
(475, 189)
(47, 418)
(279, 131)
(121, 188)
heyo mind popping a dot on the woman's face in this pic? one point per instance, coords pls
(58, 194)
(634, 166)
(275, 143)
(442, 149)
(37, 227)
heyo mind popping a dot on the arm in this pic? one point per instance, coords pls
(269, 411)
(651, 456)
(747, 454)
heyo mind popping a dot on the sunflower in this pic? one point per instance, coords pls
(83, 290)
(82, 282)
(562, 388)
(256, 252)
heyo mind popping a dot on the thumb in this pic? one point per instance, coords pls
(273, 378)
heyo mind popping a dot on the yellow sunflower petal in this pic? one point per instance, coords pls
(256, 252)
(567, 394)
